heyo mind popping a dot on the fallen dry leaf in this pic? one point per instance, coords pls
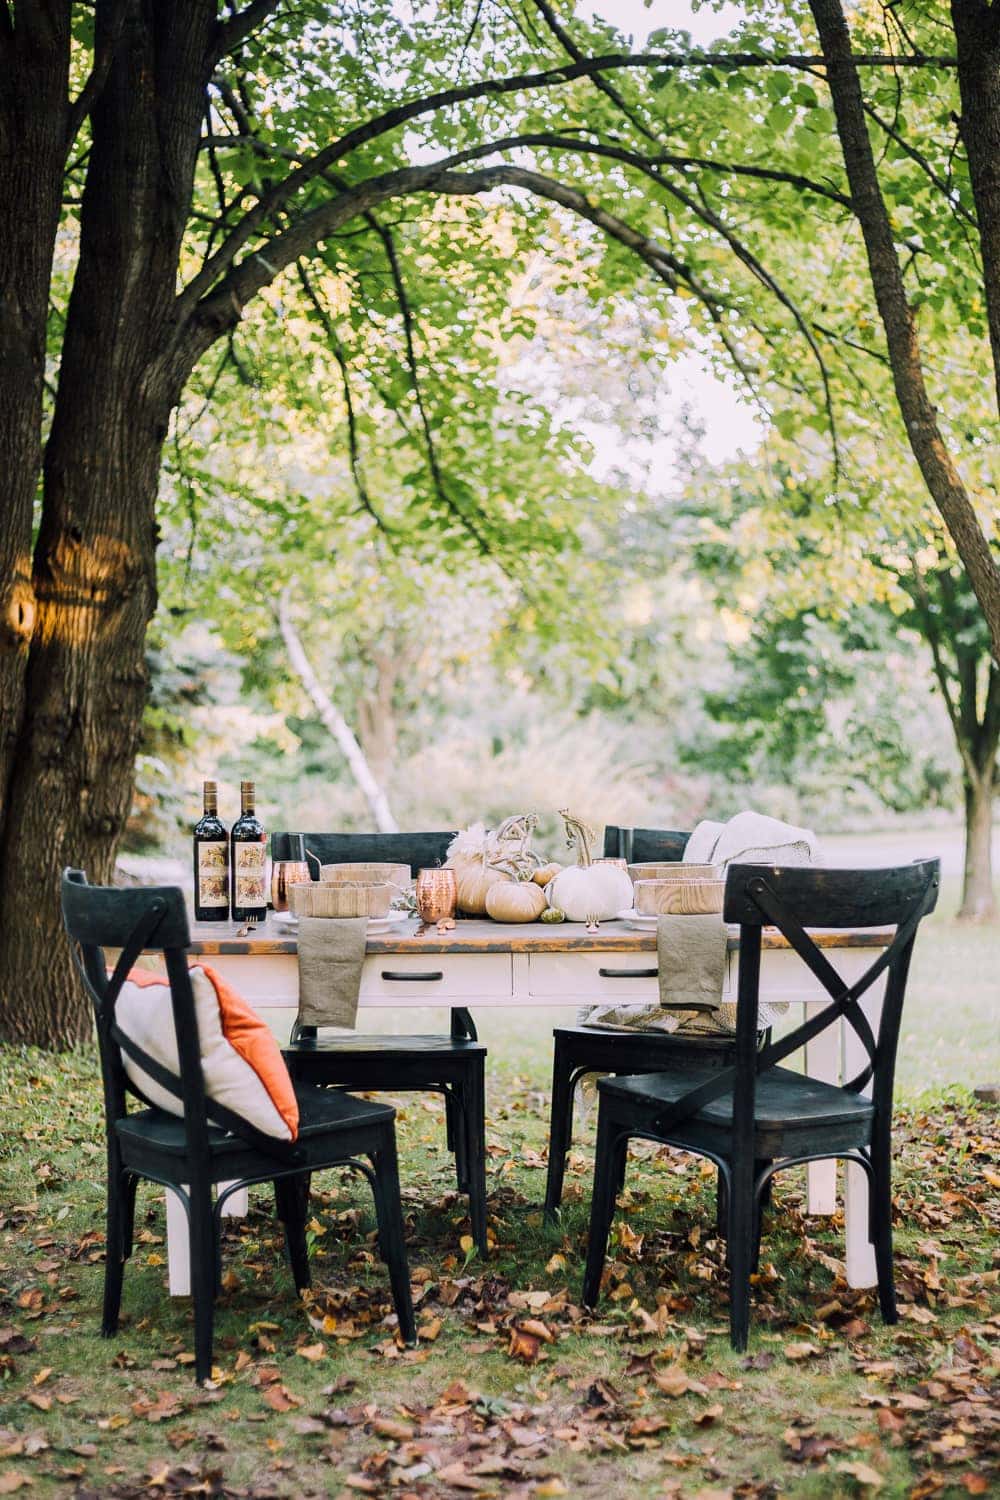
(863, 1473)
(13, 1481)
(526, 1346)
(279, 1398)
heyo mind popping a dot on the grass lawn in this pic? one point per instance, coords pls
(513, 1391)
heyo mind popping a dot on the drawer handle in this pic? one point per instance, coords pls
(413, 978)
(628, 973)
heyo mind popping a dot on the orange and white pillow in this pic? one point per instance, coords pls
(242, 1065)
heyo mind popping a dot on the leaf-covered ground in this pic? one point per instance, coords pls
(513, 1390)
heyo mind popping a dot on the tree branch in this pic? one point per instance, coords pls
(707, 216)
(926, 441)
(230, 34)
(106, 37)
(433, 463)
(281, 194)
(352, 425)
(921, 161)
(606, 88)
(334, 722)
(932, 635)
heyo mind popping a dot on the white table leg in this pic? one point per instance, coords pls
(860, 1256)
(178, 1248)
(178, 1245)
(823, 1063)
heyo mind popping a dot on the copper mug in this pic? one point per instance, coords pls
(284, 874)
(437, 895)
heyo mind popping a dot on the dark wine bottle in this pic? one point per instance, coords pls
(211, 861)
(249, 857)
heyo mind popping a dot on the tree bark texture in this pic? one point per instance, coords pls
(926, 441)
(93, 577)
(979, 728)
(34, 73)
(977, 35)
(978, 896)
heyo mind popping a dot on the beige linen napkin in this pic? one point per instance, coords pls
(691, 957)
(691, 954)
(331, 952)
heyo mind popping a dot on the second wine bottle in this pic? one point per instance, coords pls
(249, 846)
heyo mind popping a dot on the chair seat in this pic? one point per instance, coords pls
(789, 1106)
(385, 1047)
(320, 1112)
(666, 1041)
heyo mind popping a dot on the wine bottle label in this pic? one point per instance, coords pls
(248, 874)
(213, 873)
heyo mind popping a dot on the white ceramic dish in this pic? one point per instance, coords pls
(637, 921)
(286, 922)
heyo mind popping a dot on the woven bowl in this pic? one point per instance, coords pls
(690, 898)
(675, 871)
(367, 874)
(341, 900)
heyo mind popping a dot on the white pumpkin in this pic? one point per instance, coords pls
(585, 890)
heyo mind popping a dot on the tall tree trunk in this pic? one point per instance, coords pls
(34, 73)
(978, 897)
(977, 34)
(94, 565)
(378, 729)
(86, 688)
(926, 441)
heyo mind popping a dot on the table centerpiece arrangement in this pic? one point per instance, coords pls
(499, 875)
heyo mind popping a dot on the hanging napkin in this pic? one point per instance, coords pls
(751, 838)
(331, 953)
(700, 847)
(691, 953)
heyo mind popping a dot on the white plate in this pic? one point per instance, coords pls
(639, 921)
(286, 922)
(382, 924)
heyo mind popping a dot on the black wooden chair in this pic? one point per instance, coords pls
(210, 1144)
(453, 1065)
(755, 1118)
(579, 1050)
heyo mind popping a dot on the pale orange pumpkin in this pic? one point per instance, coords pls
(515, 901)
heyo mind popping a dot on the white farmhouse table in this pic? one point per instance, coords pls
(483, 964)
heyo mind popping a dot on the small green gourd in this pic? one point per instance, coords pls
(552, 914)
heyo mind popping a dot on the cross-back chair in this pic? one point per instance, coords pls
(209, 1144)
(452, 1065)
(755, 1118)
(579, 1050)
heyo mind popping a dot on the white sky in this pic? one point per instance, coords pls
(637, 19)
(730, 425)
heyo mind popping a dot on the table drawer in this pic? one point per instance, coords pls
(593, 976)
(450, 977)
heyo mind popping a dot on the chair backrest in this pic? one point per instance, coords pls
(147, 920)
(642, 846)
(144, 920)
(792, 900)
(421, 851)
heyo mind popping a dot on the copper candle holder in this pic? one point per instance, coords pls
(437, 895)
